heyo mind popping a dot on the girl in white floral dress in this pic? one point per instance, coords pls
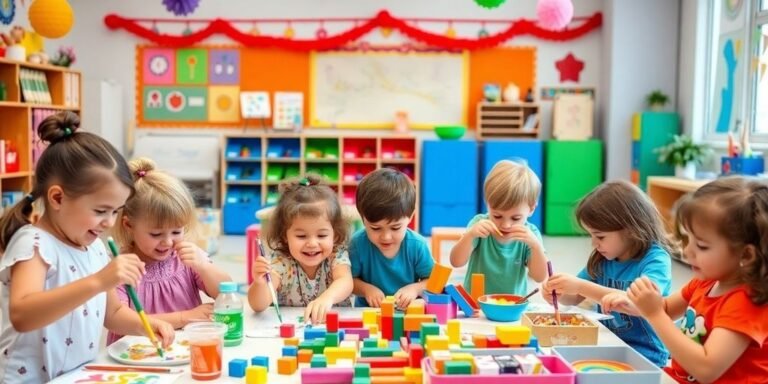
(309, 266)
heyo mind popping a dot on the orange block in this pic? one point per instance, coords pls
(387, 309)
(480, 341)
(305, 356)
(415, 309)
(413, 322)
(287, 365)
(389, 380)
(477, 285)
(387, 371)
(438, 278)
(291, 341)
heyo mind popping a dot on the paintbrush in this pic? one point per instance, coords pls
(528, 296)
(554, 295)
(137, 304)
(269, 282)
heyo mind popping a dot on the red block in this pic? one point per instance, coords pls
(350, 323)
(468, 297)
(415, 354)
(332, 321)
(494, 342)
(387, 327)
(287, 331)
(384, 362)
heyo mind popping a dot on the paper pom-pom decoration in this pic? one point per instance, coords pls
(554, 14)
(51, 18)
(7, 11)
(181, 7)
(489, 3)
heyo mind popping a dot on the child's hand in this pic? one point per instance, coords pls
(123, 269)
(202, 312)
(546, 293)
(405, 295)
(482, 228)
(617, 302)
(164, 331)
(259, 270)
(522, 233)
(190, 254)
(645, 296)
(564, 284)
(374, 296)
(316, 309)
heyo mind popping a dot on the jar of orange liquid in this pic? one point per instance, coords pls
(206, 341)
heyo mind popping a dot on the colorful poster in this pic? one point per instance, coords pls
(158, 66)
(255, 105)
(192, 66)
(289, 108)
(175, 103)
(224, 66)
(549, 93)
(224, 105)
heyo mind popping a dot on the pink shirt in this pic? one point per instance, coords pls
(168, 286)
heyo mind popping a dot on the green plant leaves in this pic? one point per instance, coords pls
(683, 150)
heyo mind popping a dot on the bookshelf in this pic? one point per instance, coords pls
(516, 120)
(253, 166)
(32, 92)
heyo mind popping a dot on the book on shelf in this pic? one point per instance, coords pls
(34, 86)
(71, 89)
(38, 146)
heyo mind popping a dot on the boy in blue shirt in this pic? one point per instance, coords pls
(388, 259)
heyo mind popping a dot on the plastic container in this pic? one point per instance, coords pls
(228, 310)
(598, 365)
(450, 132)
(559, 373)
(205, 349)
(502, 312)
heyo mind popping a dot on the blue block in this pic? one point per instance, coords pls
(261, 361)
(237, 367)
(311, 333)
(534, 343)
(290, 350)
(459, 299)
(341, 334)
(415, 340)
(432, 298)
(414, 335)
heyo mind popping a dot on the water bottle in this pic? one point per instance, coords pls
(228, 309)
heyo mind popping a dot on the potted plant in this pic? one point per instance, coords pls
(657, 100)
(684, 154)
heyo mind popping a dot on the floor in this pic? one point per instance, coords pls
(568, 254)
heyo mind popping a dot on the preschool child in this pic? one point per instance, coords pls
(502, 244)
(388, 258)
(156, 224)
(629, 241)
(58, 277)
(309, 267)
(723, 337)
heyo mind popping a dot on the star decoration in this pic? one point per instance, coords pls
(569, 67)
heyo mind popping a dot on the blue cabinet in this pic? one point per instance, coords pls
(529, 151)
(449, 194)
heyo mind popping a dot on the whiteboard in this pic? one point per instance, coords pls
(366, 90)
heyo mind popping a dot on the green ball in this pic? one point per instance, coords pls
(489, 3)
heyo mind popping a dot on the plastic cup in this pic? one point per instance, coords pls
(206, 340)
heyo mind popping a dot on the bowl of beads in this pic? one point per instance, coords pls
(502, 307)
(572, 329)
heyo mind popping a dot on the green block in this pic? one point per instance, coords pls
(319, 346)
(307, 344)
(467, 344)
(332, 339)
(458, 368)
(428, 329)
(318, 361)
(362, 370)
(371, 342)
(398, 324)
(361, 380)
(376, 352)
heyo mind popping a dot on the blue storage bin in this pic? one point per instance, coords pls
(283, 148)
(236, 146)
(742, 165)
(238, 216)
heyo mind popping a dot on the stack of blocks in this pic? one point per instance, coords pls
(443, 299)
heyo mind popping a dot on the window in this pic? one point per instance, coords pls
(760, 89)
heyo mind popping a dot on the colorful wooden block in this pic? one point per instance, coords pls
(287, 365)
(237, 367)
(435, 298)
(361, 380)
(398, 371)
(413, 375)
(439, 358)
(398, 324)
(291, 341)
(480, 341)
(533, 343)
(401, 353)
(362, 370)
(429, 329)
(387, 308)
(327, 375)
(436, 343)
(385, 362)
(350, 323)
(287, 330)
(332, 321)
(389, 380)
(477, 285)
(513, 334)
(468, 297)
(466, 344)
(456, 296)
(493, 342)
(458, 368)
(371, 342)
(334, 353)
(416, 353)
(369, 316)
(442, 312)
(262, 361)
(438, 278)
(414, 322)
(373, 329)
(311, 333)
(318, 361)
(305, 356)
(290, 350)
(332, 339)
(415, 309)
(256, 374)
(345, 363)
(453, 330)
(387, 327)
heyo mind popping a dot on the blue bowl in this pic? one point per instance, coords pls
(502, 312)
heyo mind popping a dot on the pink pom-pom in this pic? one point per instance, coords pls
(554, 14)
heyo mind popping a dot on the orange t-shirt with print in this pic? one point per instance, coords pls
(735, 312)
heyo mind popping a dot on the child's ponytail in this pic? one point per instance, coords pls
(14, 218)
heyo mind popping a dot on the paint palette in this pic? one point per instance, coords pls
(137, 350)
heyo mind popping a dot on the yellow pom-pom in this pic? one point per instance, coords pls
(51, 18)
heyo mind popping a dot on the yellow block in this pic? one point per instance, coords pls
(414, 375)
(436, 343)
(332, 354)
(453, 329)
(513, 334)
(400, 354)
(369, 316)
(383, 343)
(463, 356)
(415, 309)
(291, 341)
(256, 374)
(373, 329)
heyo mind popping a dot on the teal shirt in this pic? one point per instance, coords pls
(505, 265)
(412, 263)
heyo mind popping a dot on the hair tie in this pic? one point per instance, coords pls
(30, 197)
(305, 182)
(67, 131)
(141, 174)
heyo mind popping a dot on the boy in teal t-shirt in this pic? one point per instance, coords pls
(388, 259)
(502, 244)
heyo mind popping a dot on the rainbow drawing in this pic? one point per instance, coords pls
(594, 366)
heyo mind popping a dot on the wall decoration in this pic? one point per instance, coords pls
(728, 82)
(191, 66)
(490, 4)
(175, 104)
(224, 66)
(181, 7)
(570, 68)
(733, 8)
(358, 28)
(573, 116)
(549, 93)
(159, 66)
(554, 14)
(7, 11)
(254, 105)
(224, 103)
(289, 107)
(51, 18)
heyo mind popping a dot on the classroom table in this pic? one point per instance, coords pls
(272, 347)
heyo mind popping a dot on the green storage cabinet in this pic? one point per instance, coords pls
(651, 130)
(572, 169)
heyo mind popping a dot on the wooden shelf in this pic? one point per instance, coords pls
(398, 161)
(242, 182)
(360, 161)
(15, 175)
(243, 159)
(507, 120)
(321, 160)
(283, 160)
